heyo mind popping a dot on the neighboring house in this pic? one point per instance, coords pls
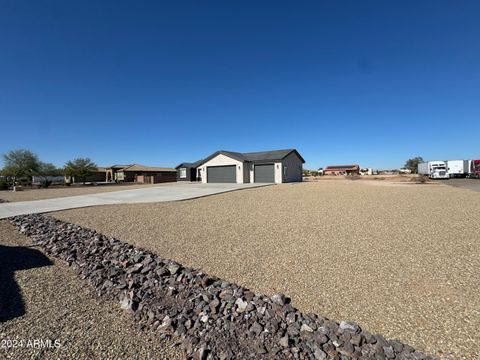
(131, 173)
(100, 175)
(342, 170)
(145, 174)
(276, 166)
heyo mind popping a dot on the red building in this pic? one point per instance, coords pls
(342, 170)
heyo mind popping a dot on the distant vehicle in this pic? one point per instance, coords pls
(366, 171)
(405, 171)
(457, 168)
(474, 169)
(434, 169)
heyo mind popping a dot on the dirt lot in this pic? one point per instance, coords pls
(396, 178)
(47, 301)
(472, 184)
(401, 260)
(56, 192)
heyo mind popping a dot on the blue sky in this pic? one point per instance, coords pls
(158, 83)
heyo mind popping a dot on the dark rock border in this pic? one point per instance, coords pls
(2, 201)
(210, 318)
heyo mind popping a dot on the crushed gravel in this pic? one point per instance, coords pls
(210, 318)
(60, 306)
(392, 259)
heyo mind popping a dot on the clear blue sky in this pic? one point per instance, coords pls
(158, 83)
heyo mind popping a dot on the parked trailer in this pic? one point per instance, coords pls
(434, 169)
(474, 169)
(457, 168)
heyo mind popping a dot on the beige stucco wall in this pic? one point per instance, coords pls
(278, 172)
(221, 160)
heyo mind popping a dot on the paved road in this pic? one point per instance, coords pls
(472, 184)
(173, 192)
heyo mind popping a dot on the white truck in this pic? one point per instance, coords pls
(458, 168)
(434, 169)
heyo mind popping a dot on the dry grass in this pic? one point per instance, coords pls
(400, 260)
(57, 192)
(60, 306)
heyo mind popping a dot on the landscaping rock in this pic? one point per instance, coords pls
(349, 326)
(279, 299)
(214, 319)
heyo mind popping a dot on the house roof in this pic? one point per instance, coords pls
(118, 166)
(270, 155)
(342, 167)
(261, 156)
(190, 165)
(139, 167)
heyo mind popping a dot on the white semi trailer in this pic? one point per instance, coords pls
(434, 169)
(458, 168)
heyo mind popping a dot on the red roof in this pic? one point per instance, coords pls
(342, 167)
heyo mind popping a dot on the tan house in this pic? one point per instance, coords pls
(145, 174)
(131, 173)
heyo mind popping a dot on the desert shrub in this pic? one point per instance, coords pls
(420, 179)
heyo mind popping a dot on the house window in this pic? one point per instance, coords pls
(183, 173)
(284, 171)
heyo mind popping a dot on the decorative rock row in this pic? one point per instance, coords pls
(210, 318)
(3, 201)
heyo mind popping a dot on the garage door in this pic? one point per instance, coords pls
(264, 173)
(221, 174)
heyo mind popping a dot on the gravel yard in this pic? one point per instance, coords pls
(57, 192)
(60, 306)
(402, 261)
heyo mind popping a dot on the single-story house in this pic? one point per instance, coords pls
(146, 174)
(130, 173)
(342, 170)
(276, 166)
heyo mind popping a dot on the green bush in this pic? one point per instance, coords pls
(46, 183)
(3, 185)
(24, 181)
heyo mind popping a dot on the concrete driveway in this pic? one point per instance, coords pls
(170, 192)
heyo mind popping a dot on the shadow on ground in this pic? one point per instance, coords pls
(14, 258)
